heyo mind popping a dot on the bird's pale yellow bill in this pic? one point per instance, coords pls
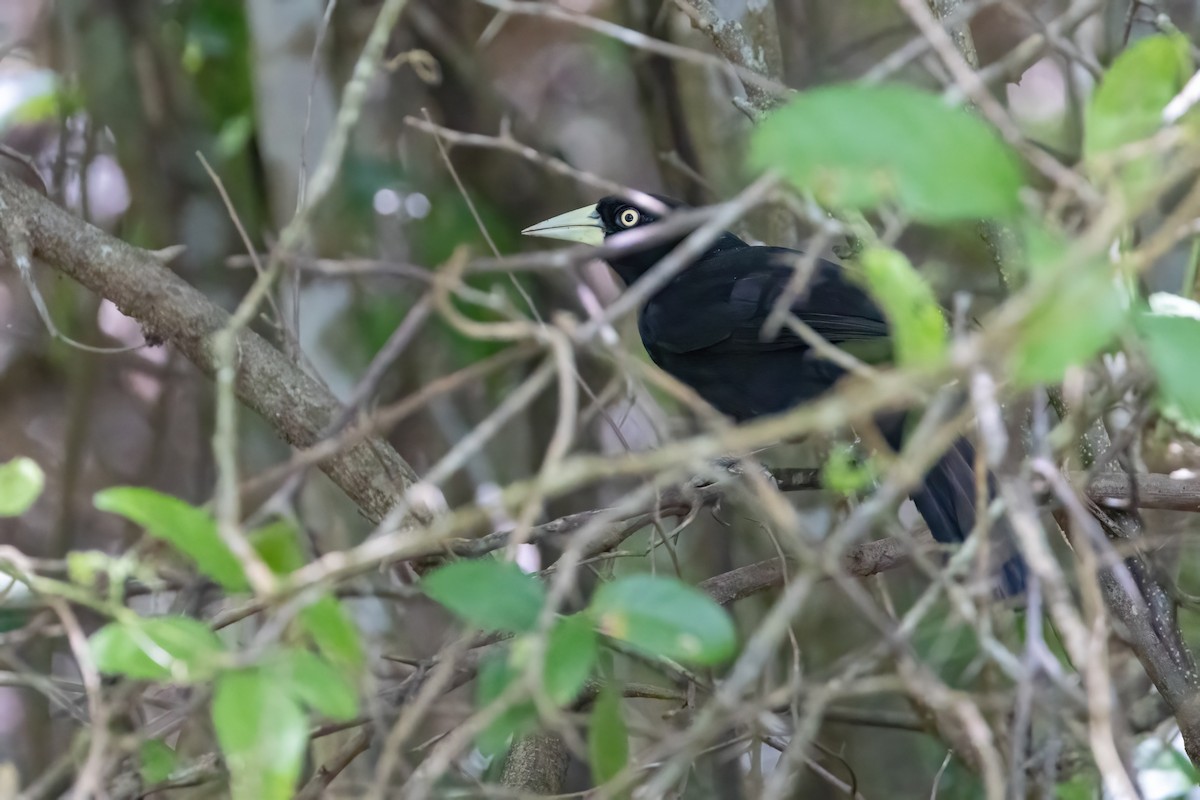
(581, 225)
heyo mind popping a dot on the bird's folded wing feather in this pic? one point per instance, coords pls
(721, 303)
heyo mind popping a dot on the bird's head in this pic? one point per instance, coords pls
(611, 216)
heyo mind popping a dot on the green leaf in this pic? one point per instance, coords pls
(333, 631)
(1128, 104)
(1045, 249)
(1083, 785)
(21, 483)
(1069, 327)
(845, 473)
(11, 619)
(490, 594)
(278, 544)
(84, 566)
(571, 650)
(918, 327)
(262, 731)
(1182, 764)
(1171, 338)
(856, 147)
(17, 604)
(43, 100)
(665, 617)
(608, 739)
(1127, 107)
(158, 761)
(233, 136)
(948, 647)
(325, 619)
(176, 649)
(496, 673)
(314, 681)
(190, 530)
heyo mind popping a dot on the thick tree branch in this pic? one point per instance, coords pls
(169, 309)
(871, 558)
(749, 39)
(1108, 490)
(862, 561)
(1151, 625)
(536, 764)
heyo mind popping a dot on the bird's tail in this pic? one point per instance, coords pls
(946, 500)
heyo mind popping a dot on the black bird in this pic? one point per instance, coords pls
(704, 327)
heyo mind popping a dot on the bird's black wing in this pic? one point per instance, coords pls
(721, 303)
(705, 327)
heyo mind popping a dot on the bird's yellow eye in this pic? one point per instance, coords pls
(628, 218)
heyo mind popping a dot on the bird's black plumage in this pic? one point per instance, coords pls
(705, 328)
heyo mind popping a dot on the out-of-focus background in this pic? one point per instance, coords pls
(119, 104)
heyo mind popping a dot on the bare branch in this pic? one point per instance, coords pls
(750, 42)
(171, 310)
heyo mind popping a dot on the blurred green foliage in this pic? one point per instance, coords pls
(213, 39)
(857, 147)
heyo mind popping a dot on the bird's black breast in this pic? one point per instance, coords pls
(705, 328)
